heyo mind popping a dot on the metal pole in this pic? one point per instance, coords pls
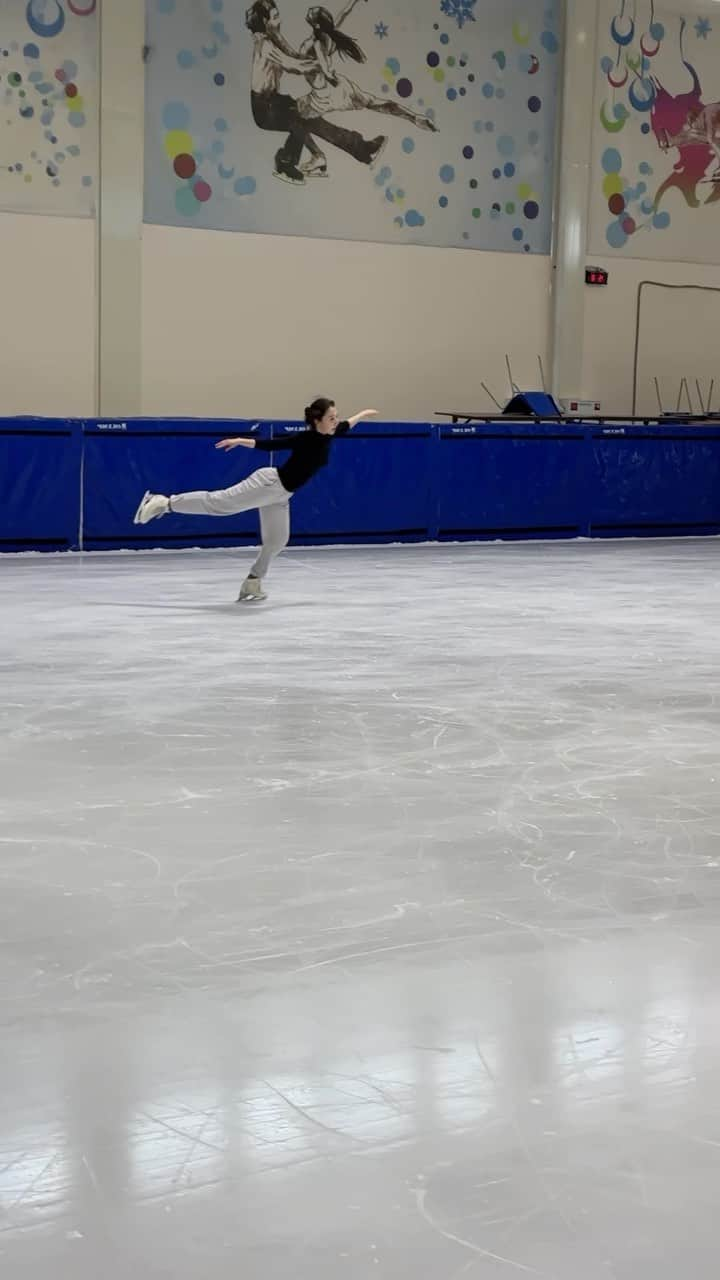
(572, 197)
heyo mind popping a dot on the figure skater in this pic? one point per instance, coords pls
(330, 92)
(269, 489)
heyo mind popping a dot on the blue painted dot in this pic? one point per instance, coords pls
(390, 195)
(444, 39)
(488, 90)
(657, 31)
(219, 78)
(443, 202)
(217, 147)
(661, 220)
(462, 92)
(534, 104)
(644, 167)
(414, 219)
(382, 177)
(245, 186)
(526, 248)
(549, 42)
(408, 145)
(611, 160)
(451, 94)
(531, 209)
(606, 64)
(497, 173)
(615, 236)
(87, 181)
(393, 65)
(166, 6)
(518, 233)
(186, 59)
(640, 189)
(509, 169)
(176, 115)
(221, 125)
(433, 59)
(76, 119)
(647, 206)
(447, 173)
(644, 127)
(31, 51)
(186, 203)
(506, 145)
(468, 152)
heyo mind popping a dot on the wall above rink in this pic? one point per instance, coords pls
(69, 484)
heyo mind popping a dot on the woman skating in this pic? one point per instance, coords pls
(269, 489)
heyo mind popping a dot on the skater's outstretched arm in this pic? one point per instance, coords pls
(251, 442)
(357, 417)
(345, 13)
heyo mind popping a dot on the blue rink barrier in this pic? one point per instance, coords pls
(40, 471)
(69, 484)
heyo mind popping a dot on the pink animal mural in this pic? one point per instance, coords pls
(682, 125)
(682, 121)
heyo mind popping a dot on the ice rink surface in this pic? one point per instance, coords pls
(368, 934)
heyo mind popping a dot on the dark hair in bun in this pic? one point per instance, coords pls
(317, 410)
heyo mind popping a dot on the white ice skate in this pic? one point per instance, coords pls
(152, 506)
(315, 168)
(251, 589)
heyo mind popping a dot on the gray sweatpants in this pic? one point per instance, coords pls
(262, 490)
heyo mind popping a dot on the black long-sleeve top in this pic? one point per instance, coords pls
(309, 451)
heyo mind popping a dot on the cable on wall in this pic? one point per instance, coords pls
(656, 284)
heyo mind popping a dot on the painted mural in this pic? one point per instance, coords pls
(48, 106)
(657, 137)
(403, 121)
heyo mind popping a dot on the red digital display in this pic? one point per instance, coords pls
(596, 275)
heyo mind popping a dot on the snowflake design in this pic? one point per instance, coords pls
(382, 30)
(703, 28)
(461, 10)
